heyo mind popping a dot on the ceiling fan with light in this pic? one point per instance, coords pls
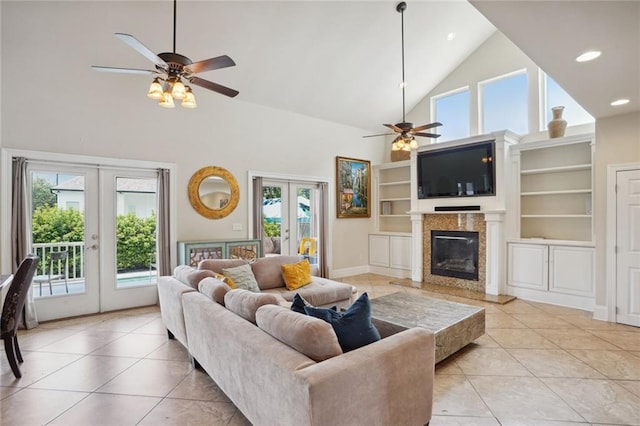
(405, 140)
(171, 68)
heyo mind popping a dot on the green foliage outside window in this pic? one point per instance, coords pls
(271, 229)
(41, 194)
(54, 225)
(135, 237)
(136, 241)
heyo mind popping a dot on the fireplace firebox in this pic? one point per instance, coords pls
(454, 254)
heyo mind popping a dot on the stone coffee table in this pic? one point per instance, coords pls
(455, 325)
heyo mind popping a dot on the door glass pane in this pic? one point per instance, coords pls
(135, 231)
(306, 233)
(57, 232)
(272, 220)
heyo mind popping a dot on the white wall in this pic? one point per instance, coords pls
(497, 56)
(54, 102)
(617, 142)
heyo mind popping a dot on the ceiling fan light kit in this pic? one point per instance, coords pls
(406, 140)
(170, 69)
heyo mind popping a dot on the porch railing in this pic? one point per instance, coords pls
(76, 258)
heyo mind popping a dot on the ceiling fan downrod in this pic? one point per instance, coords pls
(175, 12)
(401, 7)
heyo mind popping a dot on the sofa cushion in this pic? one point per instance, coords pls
(217, 265)
(353, 327)
(299, 303)
(245, 303)
(242, 277)
(268, 270)
(191, 276)
(310, 336)
(321, 292)
(214, 289)
(297, 274)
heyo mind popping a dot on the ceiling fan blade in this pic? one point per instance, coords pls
(210, 64)
(427, 135)
(142, 49)
(122, 70)
(425, 127)
(381, 134)
(394, 128)
(214, 86)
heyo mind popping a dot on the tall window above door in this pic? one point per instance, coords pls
(452, 109)
(554, 95)
(504, 103)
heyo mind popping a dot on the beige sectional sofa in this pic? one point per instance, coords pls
(321, 292)
(284, 368)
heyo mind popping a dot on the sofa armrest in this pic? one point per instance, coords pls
(386, 382)
(170, 291)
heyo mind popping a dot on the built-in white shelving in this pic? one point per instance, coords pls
(390, 245)
(392, 185)
(556, 187)
(551, 258)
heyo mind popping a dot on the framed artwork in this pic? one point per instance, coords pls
(353, 188)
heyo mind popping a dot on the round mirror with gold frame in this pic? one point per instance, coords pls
(213, 192)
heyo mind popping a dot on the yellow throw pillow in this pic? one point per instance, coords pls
(297, 275)
(228, 281)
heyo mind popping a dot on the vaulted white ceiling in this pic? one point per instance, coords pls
(340, 60)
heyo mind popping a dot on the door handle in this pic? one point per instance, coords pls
(92, 247)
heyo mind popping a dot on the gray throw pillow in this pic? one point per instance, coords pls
(242, 277)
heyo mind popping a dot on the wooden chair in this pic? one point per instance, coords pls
(54, 262)
(12, 311)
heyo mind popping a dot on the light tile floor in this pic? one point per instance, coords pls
(536, 365)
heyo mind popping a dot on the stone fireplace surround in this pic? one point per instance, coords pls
(491, 256)
(468, 222)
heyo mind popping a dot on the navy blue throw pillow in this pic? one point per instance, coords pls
(299, 303)
(353, 327)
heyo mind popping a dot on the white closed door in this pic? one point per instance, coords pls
(628, 247)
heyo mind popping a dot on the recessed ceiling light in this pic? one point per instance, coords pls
(451, 36)
(589, 56)
(620, 102)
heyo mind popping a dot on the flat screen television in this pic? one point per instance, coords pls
(463, 171)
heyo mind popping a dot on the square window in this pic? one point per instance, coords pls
(453, 111)
(504, 103)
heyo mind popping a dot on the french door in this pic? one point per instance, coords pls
(290, 213)
(103, 221)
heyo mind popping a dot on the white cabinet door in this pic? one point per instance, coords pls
(528, 266)
(379, 250)
(571, 270)
(400, 252)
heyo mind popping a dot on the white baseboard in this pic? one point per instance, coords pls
(600, 312)
(347, 272)
(553, 298)
(364, 269)
(390, 272)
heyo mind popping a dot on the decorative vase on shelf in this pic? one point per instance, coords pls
(557, 125)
